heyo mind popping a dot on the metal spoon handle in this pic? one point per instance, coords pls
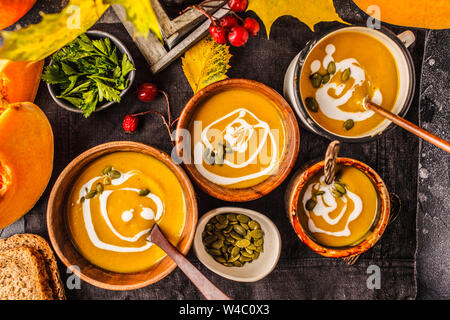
(330, 161)
(206, 287)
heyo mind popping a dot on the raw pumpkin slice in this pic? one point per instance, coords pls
(26, 159)
(19, 80)
(409, 13)
(13, 10)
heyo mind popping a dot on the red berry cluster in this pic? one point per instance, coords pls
(147, 92)
(232, 28)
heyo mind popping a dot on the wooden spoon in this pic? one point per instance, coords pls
(330, 161)
(206, 287)
(405, 124)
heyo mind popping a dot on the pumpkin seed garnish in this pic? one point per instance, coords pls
(326, 78)
(99, 188)
(312, 104)
(106, 170)
(209, 157)
(91, 194)
(346, 74)
(310, 204)
(340, 188)
(331, 68)
(144, 192)
(316, 80)
(114, 174)
(106, 180)
(233, 239)
(348, 124)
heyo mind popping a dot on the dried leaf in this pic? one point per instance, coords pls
(40, 40)
(205, 63)
(307, 11)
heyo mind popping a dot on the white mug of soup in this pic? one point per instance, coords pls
(329, 80)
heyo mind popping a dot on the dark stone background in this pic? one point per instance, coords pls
(416, 171)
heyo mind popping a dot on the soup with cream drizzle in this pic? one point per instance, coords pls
(237, 138)
(339, 73)
(342, 213)
(115, 202)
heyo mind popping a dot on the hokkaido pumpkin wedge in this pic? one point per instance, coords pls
(26, 158)
(19, 80)
(13, 10)
(433, 14)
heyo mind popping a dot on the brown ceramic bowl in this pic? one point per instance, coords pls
(300, 180)
(61, 239)
(286, 163)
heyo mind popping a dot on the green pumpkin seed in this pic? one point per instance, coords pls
(242, 218)
(254, 225)
(243, 243)
(82, 199)
(217, 244)
(312, 104)
(214, 252)
(106, 170)
(336, 193)
(209, 157)
(326, 78)
(220, 226)
(348, 124)
(220, 259)
(235, 235)
(331, 68)
(310, 204)
(319, 193)
(339, 187)
(316, 80)
(239, 229)
(233, 244)
(346, 74)
(114, 174)
(258, 243)
(144, 192)
(91, 194)
(237, 264)
(222, 219)
(256, 234)
(99, 188)
(106, 180)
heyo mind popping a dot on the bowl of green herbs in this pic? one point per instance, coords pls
(90, 73)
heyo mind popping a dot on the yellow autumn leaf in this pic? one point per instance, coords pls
(205, 63)
(40, 40)
(308, 11)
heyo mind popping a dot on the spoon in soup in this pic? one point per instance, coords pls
(405, 124)
(206, 287)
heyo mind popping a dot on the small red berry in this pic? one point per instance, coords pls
(237, 5)
(218, 33)
(147, 92)
(252, 26)
(238, 36)
(228, 22)
(130, 123)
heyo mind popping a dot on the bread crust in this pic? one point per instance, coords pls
(43, 251)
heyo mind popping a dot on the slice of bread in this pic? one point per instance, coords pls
(43, 251)
(22, 276)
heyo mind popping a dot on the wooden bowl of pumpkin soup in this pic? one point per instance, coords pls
(103, 205)
(344, 218)
(238, 139)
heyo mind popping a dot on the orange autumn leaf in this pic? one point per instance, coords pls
(409, 13)
(307, 11)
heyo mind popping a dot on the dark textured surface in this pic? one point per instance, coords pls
(433, 259)
(300, 273)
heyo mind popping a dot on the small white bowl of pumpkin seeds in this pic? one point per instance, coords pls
(238, 244)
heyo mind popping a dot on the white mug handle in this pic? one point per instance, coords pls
(407, 37)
